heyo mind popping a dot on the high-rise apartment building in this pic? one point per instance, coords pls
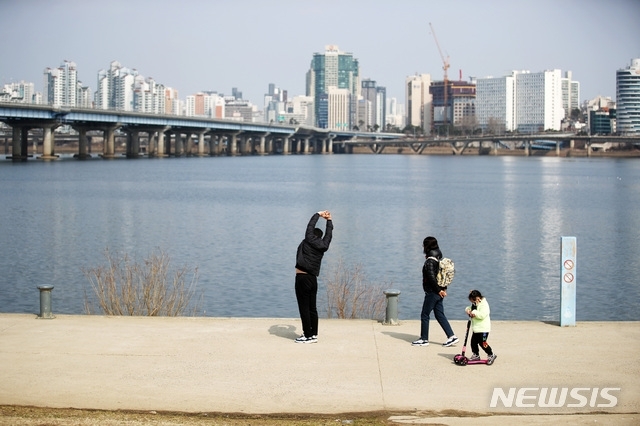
(84, 98)
(339, 109)
(116, 88)
(61, 85)
(22, 92)
(364, 116)
(148, 96)
(102, 99)
(374, 100)
(124, 89)
(418, 101)
(124, 83)
(330, 71)
(628, 99)
(172, 104)
(205, 104)
(395, 114)
(570, 94)
(495, 103)
(539, 101)
(274, 104)
(525, 102)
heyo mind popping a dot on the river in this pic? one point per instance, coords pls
(240, 219)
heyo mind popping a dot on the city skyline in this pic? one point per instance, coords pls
(275, 42)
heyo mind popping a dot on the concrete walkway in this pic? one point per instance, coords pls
(246, 365)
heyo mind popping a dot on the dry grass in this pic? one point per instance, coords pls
(127, 287)
(350, 295)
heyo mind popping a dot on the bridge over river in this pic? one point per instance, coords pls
(169, 135)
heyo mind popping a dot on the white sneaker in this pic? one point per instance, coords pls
(420, 342)
(302, 339)
(451, 341)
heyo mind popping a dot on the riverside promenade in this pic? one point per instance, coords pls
(252, 365)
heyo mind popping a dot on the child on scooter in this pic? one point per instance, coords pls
(480, 326)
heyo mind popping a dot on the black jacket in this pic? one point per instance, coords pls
(312, 248)
(430, 271)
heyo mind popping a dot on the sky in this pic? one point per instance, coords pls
(216, 45)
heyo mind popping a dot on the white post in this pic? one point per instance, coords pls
(568, 248)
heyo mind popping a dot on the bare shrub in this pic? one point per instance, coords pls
(127, 287)
(350, 295)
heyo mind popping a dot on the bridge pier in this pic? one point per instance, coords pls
(178, 143)
(152, 145)
(133, 143)
(263, 144)
(20, 142)
(212, 142)
(109, 144)
(243, 145)
(459, 151)
(232, 143)
(286, 142)
(215, 142)
(249, 145)
(47, 142)
(327, 145)
(306, 145)
(156, 146)
(201, 142)
(188, 148)
(83, 142)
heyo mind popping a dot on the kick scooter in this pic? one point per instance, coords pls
(461, 359)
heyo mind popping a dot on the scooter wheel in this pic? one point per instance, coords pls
(463, 361)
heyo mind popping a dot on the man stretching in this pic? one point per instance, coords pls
(308, 260)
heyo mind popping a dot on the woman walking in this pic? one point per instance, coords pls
(433, 295)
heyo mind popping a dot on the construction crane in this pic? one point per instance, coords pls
(445, 67)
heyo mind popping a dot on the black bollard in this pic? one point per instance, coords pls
(45, 302)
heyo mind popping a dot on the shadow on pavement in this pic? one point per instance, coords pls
(401, 336)
(286, 331)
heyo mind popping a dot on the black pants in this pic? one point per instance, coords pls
(480, 339)
(306, 293)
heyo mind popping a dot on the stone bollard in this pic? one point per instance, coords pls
(392, 307)
(45, 302)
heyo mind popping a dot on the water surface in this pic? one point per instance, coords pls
(240, 219)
